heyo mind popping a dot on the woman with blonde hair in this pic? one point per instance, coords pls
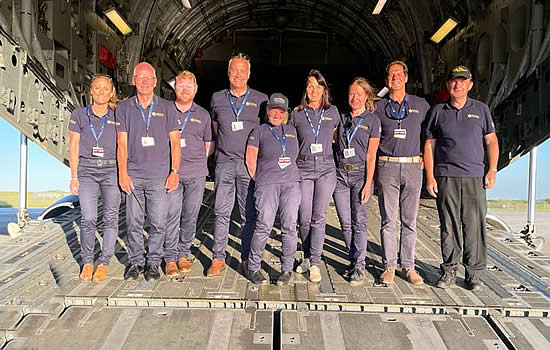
(357, 143)
(92, 158)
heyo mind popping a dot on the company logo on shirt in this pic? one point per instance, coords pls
(475, 116)
(157, 114)
(72, 121)
(364, 127)
(290, 135)
(327, 118)
(413, 110)
(111, 122)
(251, 137)
(195, 120)
(253, 104)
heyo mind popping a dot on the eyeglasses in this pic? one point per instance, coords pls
(241, 55)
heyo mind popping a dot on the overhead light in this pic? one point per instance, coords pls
(383, 92)
(118, 21)
(444, 30)
(379, 6)
(186, 4)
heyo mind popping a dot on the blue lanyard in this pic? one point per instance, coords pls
(237, 113)
(315, 133)
(185, 120)
(282, 139)
(398, 114)
(103, 122)
(350, 138)
(148, 120)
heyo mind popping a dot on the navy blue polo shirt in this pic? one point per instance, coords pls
(369, 128)
(80, 123)
(269, 151)
(196, 132)
(405, 142)
(329, 119)
(459, 147)
(231, 145)
(150, 162)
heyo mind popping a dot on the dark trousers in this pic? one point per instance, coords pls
(462, 207)
(231, 178)
(148, 197)
(270, 198)
(399, 186)
(94, 181)
(183, 211)
(352, 214)
(312, 215)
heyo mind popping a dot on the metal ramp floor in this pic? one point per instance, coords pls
(43, 304)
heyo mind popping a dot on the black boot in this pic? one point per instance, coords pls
(447, 280)
(256, 277)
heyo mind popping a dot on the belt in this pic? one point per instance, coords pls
(323, 157)
(351, 166)
(415, 159)
(96, 162)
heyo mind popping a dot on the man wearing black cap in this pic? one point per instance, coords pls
(271, 160)
(454, 159)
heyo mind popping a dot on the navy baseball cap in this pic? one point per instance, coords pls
(460, 72)
(278, 100)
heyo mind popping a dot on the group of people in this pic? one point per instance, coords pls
(288, 162)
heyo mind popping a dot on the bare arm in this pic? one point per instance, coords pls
(74, 147)
(492, 154)
(251, 160)
(209, 146)
(126, 183)
(172, 181)
(371, 164)
(431, 184)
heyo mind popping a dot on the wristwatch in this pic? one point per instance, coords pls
(175, 170)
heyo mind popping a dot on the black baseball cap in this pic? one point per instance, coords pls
(460, 72)
(278, 100)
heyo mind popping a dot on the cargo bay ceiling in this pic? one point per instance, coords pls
(167, 30)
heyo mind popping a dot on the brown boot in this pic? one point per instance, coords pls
(100, 273)
(172, 269)
(215, 268)
(87, 270)
(412, 276)
(387, 276)
(184, 265)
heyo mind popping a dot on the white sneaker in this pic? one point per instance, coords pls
(315, 274)
(303, 267)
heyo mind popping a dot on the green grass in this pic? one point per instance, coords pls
(34, 199)
(517, 204)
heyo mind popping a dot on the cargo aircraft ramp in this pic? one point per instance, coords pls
(44, 305)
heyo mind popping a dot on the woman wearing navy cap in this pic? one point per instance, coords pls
(315, 121)
(357, 143)
(271, 161)
(92, 158)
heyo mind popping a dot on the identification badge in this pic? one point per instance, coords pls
(400, 133)
(147, 141)
(236, 126)
(284, 162)
(182, 143)
(97, 152)
(349, 152)
(316, 148)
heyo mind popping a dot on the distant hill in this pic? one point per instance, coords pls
(34, 199)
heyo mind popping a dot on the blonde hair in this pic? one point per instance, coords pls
(366, 86)
(187, 75)
(113, 101)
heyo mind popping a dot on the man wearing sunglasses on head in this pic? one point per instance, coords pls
(235, 112)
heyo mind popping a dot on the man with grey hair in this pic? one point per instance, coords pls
(235, 112)
(148, 156)
(399, 175)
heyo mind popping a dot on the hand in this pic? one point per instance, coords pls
(490, 179)
(365, 193)
(172, 182)
(431, 186)
(421, 163)
(126, 183)
(74, 186)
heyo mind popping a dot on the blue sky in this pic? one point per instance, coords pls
(47, 173)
